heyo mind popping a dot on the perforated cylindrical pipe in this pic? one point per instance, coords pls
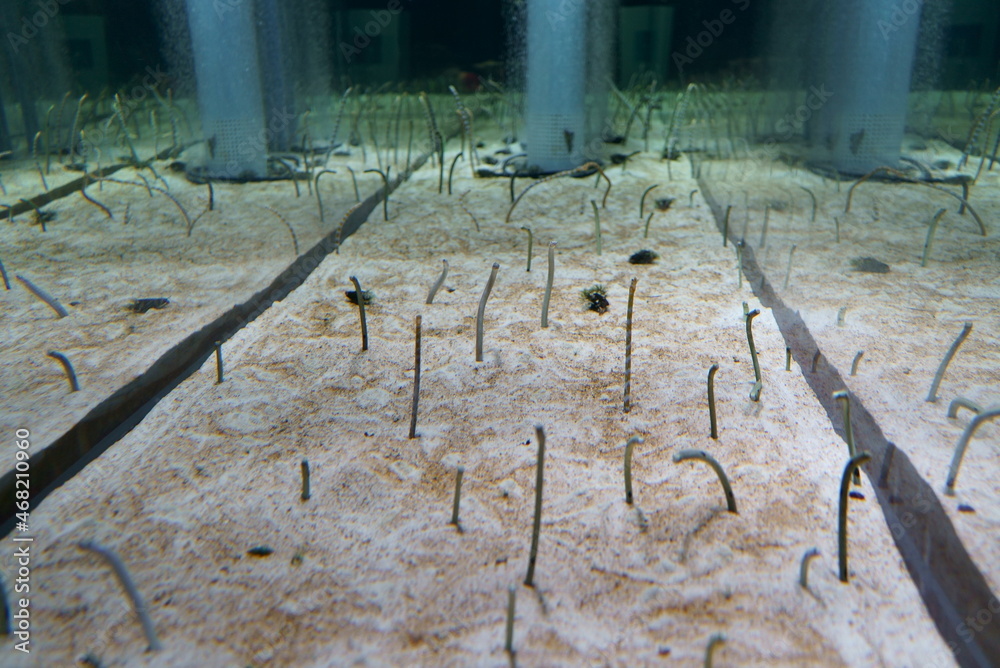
(276, 74)
(230, 100)
(857, 104)
(555, 114)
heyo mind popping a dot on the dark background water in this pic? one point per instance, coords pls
(445, 39)
(445, 35)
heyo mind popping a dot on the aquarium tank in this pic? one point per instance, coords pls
(499, 332)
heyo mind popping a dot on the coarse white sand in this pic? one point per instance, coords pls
(96, 266)
(903, 321)
(368, 571)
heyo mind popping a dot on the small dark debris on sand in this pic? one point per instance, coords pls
(352, 296)
(143, 305)
(664, 203)
(644, 256)
(260, 551)
(869, 265)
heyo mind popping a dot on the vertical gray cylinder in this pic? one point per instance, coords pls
(555, 111)
(276, 63)
(860, 98)
(229, 90)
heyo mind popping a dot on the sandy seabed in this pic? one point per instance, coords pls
(368, 571)
(97, 266)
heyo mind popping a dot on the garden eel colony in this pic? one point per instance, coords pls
(409, 446)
